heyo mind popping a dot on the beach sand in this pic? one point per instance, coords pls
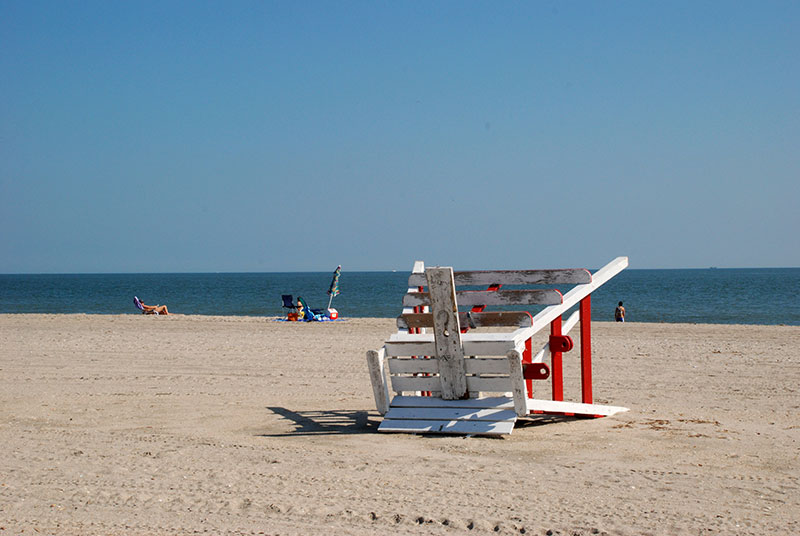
(230, 425)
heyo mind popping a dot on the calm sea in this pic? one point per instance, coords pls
(719, 296)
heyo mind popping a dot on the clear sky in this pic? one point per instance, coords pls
(292, 136)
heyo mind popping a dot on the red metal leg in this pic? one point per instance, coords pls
(527, 357)
(555, 362)
(586, 349)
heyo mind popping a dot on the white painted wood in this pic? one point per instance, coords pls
(521, 319)
(570, 323)
(567, 276)
(452, 414)
(408, 384)
(498, 402)
(482, 365)
(477, 344)
(482, 384)
(514, 362)
(478, 365)
(446, 332)
(468, 298)
(377, 375)
(573, 408)
(412, 366)
(418, 346)
(448, 427)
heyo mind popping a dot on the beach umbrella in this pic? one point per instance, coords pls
(334, 288)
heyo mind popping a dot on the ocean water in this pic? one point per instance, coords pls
(718, 296)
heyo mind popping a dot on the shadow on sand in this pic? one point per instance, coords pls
(343, 422)
(314, 423)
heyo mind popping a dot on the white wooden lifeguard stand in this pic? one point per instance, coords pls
(441, 379)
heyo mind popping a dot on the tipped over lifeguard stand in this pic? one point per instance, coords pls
(441, 379)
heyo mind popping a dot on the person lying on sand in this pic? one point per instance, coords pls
(150, 309)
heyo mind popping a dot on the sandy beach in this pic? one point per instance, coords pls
(237, 425)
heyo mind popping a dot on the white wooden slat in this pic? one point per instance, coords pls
(447, 332)
(448, 427)
(477, 344)
(377, 375)
(515, 277)
(412, 366)
(500, 384)
(431, 366)
(452, 414)
(495, 384)
(521, 319)
(498, 402)
(490, 346)
(573, 408)
(407, 384)
(468, 298)
(418, 347)
(478, 365)
(518, 390)
(509, 297)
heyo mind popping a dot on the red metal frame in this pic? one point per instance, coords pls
(556, 366)
(560, 343)
(586, 349)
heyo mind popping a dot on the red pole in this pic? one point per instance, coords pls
(555, 361)
(586, 349)
(527, 357)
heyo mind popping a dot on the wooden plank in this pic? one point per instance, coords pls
(407, 384)
(469, 298)
(473, 320)
(478, 365)
(498, 402)
(567, 276)
(477, 344)
(572, 408)
(481, 384)
(447, 427)
(446, 332)
(377, 374)
(413, 366)
(410, 347)
(517, 383)
(486, 365)
(452, 414)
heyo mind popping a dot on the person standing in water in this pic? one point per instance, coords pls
(619, 313)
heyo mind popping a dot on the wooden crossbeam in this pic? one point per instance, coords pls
(491, 319)
(468, 298)
(567, 276)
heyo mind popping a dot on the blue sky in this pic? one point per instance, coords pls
(294, 136)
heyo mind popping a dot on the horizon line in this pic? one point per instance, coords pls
(364, 271)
